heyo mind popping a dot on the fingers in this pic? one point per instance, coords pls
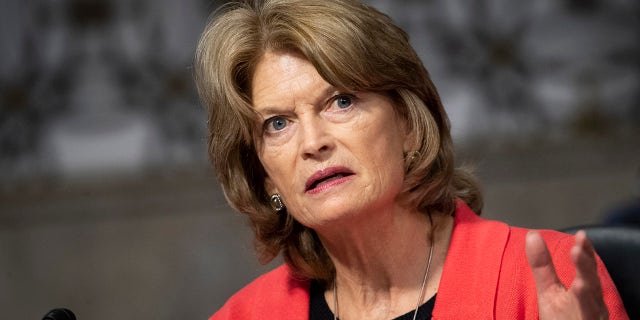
(586, 285)
(540, 261)
(583, 298)
(583, 256)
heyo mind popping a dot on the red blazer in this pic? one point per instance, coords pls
(486, 276)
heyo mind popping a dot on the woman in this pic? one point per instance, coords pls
(326, 131)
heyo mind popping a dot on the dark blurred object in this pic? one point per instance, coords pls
(624, 215)
(619, 249)
(59, 314)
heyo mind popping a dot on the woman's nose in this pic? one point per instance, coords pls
(316, 139)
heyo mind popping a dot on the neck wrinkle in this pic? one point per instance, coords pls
(380, 267)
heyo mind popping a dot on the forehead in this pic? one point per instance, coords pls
(282, 75)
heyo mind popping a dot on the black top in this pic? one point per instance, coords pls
(319, 310)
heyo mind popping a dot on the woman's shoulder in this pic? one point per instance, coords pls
(555, 240)
(512, 237)
(277, 294)
(558, 243)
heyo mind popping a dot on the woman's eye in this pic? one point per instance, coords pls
(276, 123)
(343, 101)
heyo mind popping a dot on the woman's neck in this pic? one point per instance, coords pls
(380, 264)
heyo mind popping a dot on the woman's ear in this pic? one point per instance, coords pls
(409, 137)
(409, 143)
(269, 186)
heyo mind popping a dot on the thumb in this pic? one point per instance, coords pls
(540, 261)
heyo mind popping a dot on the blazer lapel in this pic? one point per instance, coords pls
(472, 268)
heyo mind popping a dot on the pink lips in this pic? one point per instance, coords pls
(322, 179)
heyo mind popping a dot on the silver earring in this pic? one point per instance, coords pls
(276, 202)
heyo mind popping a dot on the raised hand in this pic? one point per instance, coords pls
(583, 299)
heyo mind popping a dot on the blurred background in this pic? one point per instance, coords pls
(108, 205)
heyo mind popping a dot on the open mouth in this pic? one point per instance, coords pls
(325, 177)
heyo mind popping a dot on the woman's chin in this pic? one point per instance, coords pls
(336, 216)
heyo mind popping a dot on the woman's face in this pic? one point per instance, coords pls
(330, 154)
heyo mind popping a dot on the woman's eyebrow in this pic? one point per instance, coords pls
(266, 111)
(330, 91)
(325, 94)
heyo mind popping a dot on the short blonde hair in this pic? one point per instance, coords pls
(353, 47)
